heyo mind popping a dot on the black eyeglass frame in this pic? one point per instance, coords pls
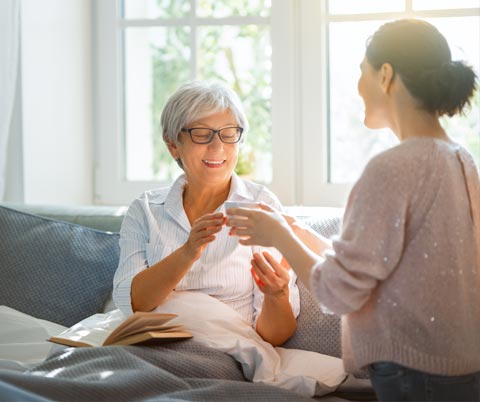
(212, 134)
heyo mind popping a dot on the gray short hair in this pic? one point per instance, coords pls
(197, 99)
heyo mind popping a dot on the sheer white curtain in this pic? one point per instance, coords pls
(9, 56)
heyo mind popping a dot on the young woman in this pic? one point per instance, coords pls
(405, 271)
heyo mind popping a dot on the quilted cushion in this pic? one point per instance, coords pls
(54, 270)
(317, 331)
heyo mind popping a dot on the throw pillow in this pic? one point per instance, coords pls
(53, 270)
(317, 331)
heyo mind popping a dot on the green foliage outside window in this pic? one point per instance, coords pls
(236, 55)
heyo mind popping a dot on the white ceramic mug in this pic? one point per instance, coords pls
(241, 204)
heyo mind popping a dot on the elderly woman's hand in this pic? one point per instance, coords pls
(203, 232)
(269, 275)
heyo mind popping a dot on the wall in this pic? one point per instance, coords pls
(56, 105)
(14, 163)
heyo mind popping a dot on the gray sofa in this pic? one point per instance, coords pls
(58, 262)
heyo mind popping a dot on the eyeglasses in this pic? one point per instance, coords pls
(228, 135)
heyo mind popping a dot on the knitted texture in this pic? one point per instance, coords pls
(317, 331)
(181, 371)
(405, 273)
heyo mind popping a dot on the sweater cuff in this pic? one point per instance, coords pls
(315, 282)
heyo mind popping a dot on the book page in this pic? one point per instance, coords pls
(109, 328)
(92, 331)
(157, 336)
(85, 338)
(137, 322)
(153, 328)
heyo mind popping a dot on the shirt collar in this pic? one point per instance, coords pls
(172, 199)
(174, 204)
(169, 195)
(239, 190)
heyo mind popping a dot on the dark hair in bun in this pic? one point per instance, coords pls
(420, 55)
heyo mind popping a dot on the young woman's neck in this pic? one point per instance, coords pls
(409, 121)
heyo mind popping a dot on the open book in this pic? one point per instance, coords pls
(114, 328)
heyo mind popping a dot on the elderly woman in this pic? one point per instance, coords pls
(175, 238)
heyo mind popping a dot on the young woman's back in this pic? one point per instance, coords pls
(405, 268)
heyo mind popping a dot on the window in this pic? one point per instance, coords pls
(332, 95)
(349, 26)
(168, 42)
(157, 45)
(293, 63)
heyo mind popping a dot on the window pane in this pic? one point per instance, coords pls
(464, 129)
(351, 143)
(364, 6)
(220, 9)
(157, 61)
(241, 57)
(444, 4)
(156, 8)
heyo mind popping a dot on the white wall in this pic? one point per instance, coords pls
(56, 74)
(14, 163)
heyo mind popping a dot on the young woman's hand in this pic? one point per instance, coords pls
(269, 275)
(257, 226)
(313, 240)
(203, 232)
(290, 219)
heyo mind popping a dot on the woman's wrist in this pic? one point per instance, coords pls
(279, 297)
(284, 237)
(187, 255)
(298, 227)
(283, 292)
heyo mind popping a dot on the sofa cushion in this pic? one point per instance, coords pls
(54, 270)
(317, 331)
(100, 217)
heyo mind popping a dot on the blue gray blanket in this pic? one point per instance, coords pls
(179, 371)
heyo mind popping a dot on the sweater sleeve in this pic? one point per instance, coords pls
(372, 239)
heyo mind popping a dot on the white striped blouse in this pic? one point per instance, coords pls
(156, 225)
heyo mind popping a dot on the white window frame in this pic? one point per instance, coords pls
(313, 186)
(111, 187)
(299, 102)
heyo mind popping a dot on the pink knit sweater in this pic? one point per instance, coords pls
(405, 272)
